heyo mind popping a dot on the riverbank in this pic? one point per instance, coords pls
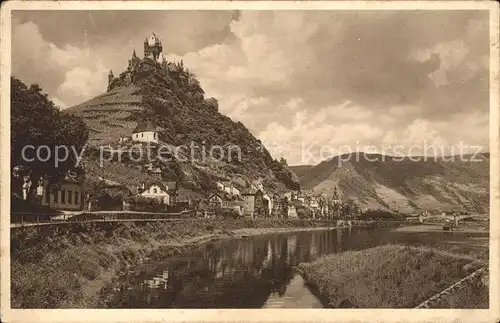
(67, 266)
(389, 276)
(438, 227)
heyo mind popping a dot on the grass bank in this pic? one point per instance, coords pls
(474, 295)
(389, 276)
(67, 265)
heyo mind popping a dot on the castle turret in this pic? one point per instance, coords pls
(110, 79)
(133, 62)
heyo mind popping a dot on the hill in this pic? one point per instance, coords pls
(379, 181)
(170, 96)
(110, 115)
(299, 170)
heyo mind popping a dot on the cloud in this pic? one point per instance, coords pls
(82, 83)
(68, 73)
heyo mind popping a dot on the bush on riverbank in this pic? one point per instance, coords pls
(66, 265)
(390, 276)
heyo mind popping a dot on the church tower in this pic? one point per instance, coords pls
(335, 194)
(153, 48)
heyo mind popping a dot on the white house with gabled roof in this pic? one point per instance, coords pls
(145, 132)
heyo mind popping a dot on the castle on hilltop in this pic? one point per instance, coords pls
(153, 52)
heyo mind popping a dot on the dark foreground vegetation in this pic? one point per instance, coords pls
(67, 265)
(393, 276)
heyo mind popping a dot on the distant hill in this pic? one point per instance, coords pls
(299, 170)
(404, 185)
(170, 96)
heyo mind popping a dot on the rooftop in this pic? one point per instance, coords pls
(144, 126)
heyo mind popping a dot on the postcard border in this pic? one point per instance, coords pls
(243, 315)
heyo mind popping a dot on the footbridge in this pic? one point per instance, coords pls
(447, 218)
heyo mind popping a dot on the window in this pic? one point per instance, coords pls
(155, 190)
(142, 135)
(70, 197)
(56, 196)
(63, 196)
(77, 197)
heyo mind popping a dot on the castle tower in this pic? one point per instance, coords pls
(110, 79)
(153, 48)
(133, 62)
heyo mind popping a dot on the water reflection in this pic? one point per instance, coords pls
(248, 273)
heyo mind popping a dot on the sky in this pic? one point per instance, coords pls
(309, 84)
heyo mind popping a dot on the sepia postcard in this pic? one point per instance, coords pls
(267, 161)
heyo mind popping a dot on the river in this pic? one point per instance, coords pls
(256, 272)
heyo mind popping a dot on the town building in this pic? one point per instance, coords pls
(236, 203)
(156, 173)
(314, 205)
(314, 202)
(228, 187)
(277, 209)
(220, 186)
(181, 195)
(124, 139)
(254, 203)
(156, 190)
(215, 201)
(268, 204)
(225, 201)
(235, 191)
(202, 208)
(292, 212)
(324, 208)
(290, 195)
(249, 202)
(67, 194)
(335, 204)
(145, 132)
(186, 196)
(301, 197)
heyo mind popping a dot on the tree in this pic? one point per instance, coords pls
(180, 177)
(212, 104)
(322, 205)
(37, 122)
(283, 162)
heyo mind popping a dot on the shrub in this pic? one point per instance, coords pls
(229, 213)
(145, 204)
(380, 215)
(303, 213)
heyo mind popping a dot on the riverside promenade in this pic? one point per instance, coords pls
(34, 219)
